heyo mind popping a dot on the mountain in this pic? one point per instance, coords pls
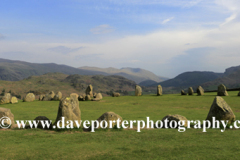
(230, 78)
(67, 84)
(136, 74)
(11, 70)
(188, 79)
(147, 83)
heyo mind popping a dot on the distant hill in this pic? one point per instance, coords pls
(67, 84)
(188, 79)
(230, 78)
(147, 83)
(136, 74)
(17, 70)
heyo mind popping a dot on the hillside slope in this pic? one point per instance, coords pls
(67, 84)
(187, 79)
(17, 70)
(231, 79)
(136, 74)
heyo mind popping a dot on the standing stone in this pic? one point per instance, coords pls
(183, 93)
(159, 90)
(94, 95)
(52, 94)
(115, 94)
(88, 98)
(238, 93)
(74, 95)
(6, 98)
(89, 90)
(222, 91)
(221, 111)
(41, 97)
(58, 96)
(200, 91)
(190, 91)
(6, 112)
(138, 90)
(14, 100)
(68, 108)
(29, 97)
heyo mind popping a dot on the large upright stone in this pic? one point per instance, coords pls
(238, 93)
(29, 97)
(7, 118)
(222, 91)
(58, 96)
(220, 110)
(89, 90)
(14, 100)
(69, 109)
(138, 90)
(159, 90)
(190, 91)
(200, 91)
(6, 98)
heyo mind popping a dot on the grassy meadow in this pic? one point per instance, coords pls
(123, 144)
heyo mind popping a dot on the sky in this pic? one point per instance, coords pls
(167, 37)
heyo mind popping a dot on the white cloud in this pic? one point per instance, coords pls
(102, 29)
(167, 20)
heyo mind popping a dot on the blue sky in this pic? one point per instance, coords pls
(167, 37)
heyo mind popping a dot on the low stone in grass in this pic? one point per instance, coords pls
(190, 91)
(47, 97)
(222, 90)
(116, 94)
(99, 96)
(82, 97)
(44, 119)
(221, 111)
(14, 100)
(176, 118)
(29, 97)
(159, 90)
(68, 108)
(6, 112)
(109, 116)
(183, 93)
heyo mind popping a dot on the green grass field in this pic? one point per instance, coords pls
(123, 144)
